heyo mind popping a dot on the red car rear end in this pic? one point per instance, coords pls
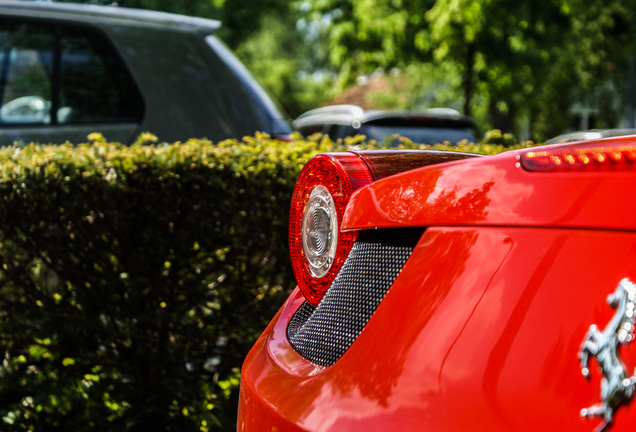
(483, 293)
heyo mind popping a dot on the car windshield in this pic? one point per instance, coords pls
(422, 135)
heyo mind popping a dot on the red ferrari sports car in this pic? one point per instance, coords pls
(450, 292)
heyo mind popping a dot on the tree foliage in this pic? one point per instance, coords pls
(363, 35)
(519, 60)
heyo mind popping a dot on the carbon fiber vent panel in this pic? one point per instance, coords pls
(323, 334)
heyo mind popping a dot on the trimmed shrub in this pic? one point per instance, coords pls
(133, 280)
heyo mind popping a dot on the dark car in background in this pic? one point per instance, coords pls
(67, 70)
(590, 134)
(436, 125)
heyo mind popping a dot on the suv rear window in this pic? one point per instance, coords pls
(52, 74)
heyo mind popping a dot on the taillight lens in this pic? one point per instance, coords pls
(384, 163)
(317, 247)
(619, 155)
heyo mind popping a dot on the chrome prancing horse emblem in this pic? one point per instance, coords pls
(617, 388)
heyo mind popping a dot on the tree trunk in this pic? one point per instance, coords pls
(504, 121)
(469, 71)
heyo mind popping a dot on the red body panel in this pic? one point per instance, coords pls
(482, 328)
(480, 331)
(495, 191)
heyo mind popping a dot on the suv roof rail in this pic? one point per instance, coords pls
(78, 11)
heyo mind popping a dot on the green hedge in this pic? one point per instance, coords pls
(133, 280)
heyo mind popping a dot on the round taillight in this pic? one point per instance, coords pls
(320, 231)
(317, 247)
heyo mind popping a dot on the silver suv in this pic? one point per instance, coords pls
(67, 70)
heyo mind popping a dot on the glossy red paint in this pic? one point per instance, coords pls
(482, 328)
(495, 191)
(480, 331)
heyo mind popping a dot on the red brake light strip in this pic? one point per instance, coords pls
(611, 156)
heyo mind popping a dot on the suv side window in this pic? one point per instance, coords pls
(52, 74)
(25, 73)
